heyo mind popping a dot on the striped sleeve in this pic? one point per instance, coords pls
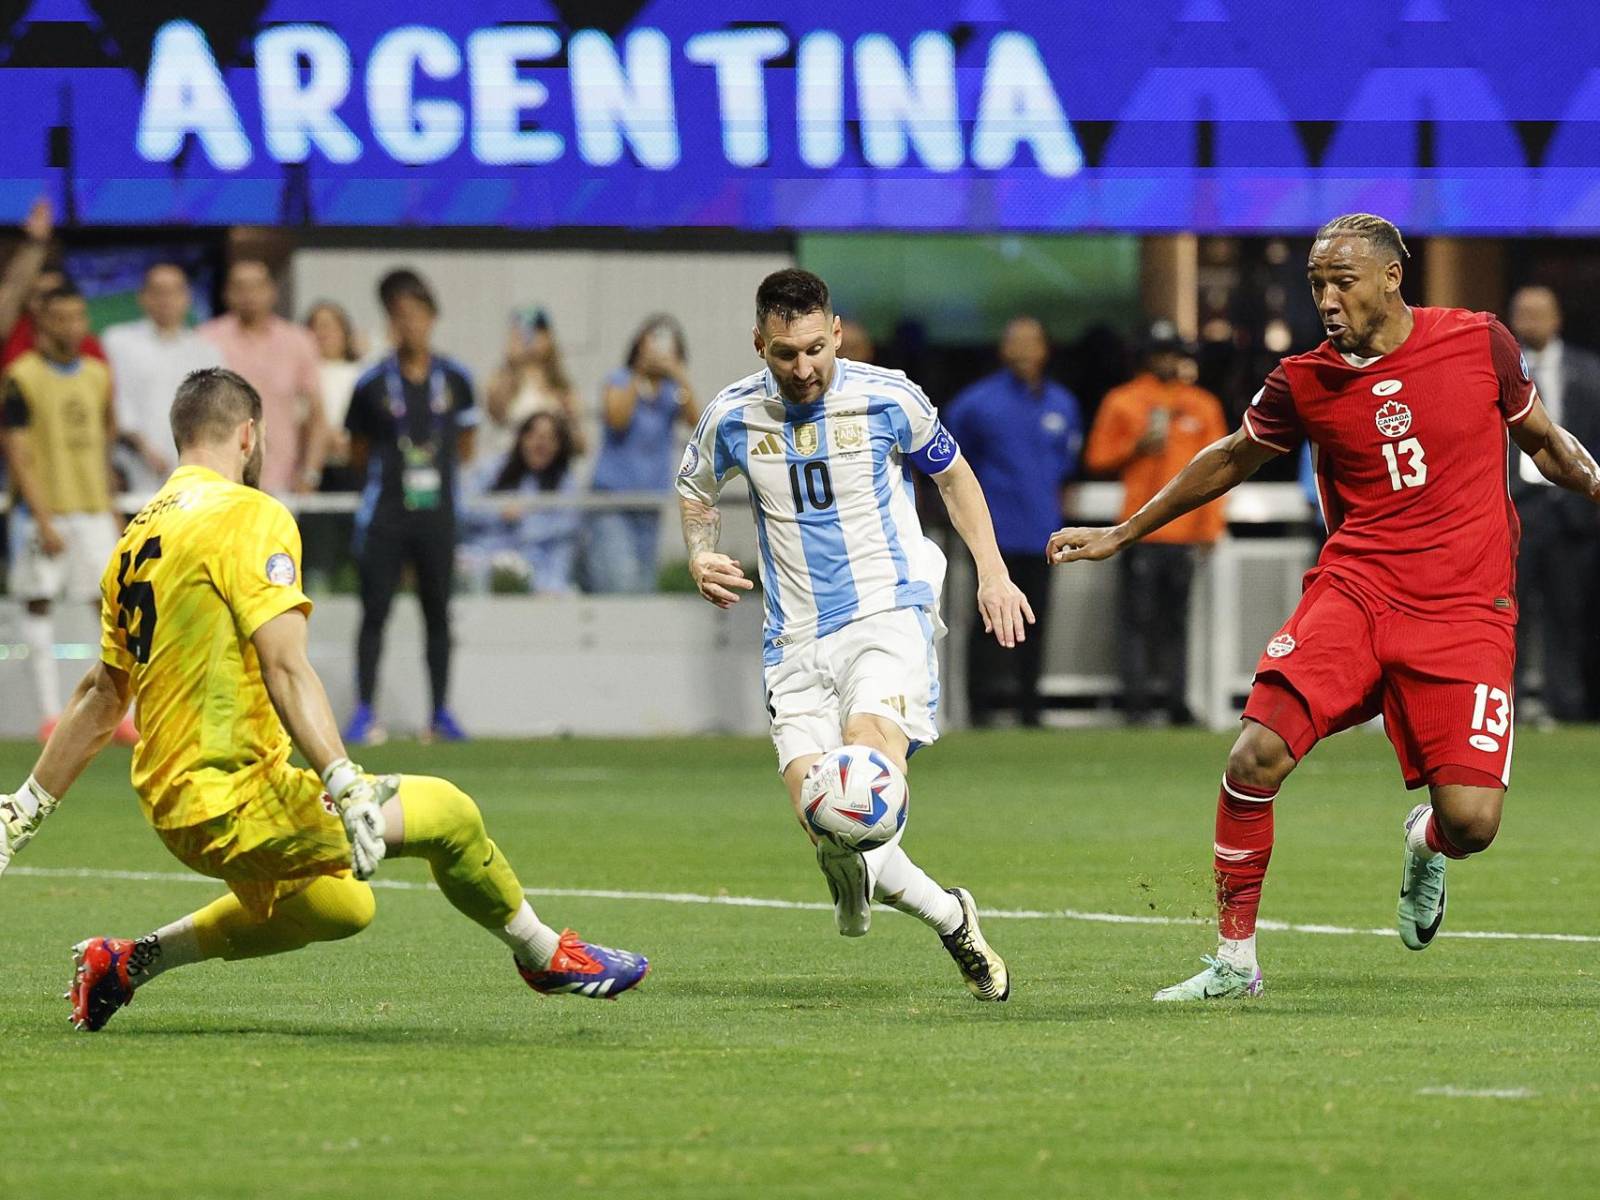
(923, 439)
(700, 474)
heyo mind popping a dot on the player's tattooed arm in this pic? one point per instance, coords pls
(1215, 471)
(1560, 457)
(702, 526)
(719, 578)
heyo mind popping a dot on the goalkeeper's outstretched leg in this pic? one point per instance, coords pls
(432, 819)
(293, 846)
(425, 818)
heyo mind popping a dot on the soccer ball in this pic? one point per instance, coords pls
(856, 797)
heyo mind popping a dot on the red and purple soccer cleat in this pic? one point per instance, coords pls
(100, 983)
(582, 969)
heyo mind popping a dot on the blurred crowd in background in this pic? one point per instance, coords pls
(470, 478)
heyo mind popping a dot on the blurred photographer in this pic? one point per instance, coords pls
(640, 404)
(532, 379)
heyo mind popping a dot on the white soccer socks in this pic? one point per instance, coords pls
(900, 883)
(531, 940)
(174, 945)
(1239, 953)
(1417, 838)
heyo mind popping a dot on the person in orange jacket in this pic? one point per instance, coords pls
(1146, 431)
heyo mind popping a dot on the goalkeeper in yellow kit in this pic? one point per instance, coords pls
(203, 625)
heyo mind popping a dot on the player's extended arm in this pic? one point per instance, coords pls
(86, 725)
(719, 578)
(1001, 604)
(301, 701)
(1560, 457)
(1219, 468)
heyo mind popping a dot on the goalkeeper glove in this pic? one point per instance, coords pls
(21, 814)
(359, 798)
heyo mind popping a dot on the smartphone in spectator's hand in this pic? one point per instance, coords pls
(529, 321)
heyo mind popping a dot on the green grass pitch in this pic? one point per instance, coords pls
(766, 1056)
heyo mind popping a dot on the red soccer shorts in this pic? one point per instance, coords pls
(1443, 686)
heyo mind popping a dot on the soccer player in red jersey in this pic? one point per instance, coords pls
(1411, 609)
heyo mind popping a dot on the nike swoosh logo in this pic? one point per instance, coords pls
(1426, 935)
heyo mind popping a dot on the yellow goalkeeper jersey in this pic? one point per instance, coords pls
(203, 566)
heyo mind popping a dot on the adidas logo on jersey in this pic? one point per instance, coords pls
(772, 444)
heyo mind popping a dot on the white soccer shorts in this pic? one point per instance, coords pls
(74, 574)
(884, 665)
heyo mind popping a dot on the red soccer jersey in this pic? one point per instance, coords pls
(1410, 456)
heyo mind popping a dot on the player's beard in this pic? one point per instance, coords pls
(794, 394)
(251, 476)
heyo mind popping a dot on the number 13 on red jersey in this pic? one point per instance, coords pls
(1410, 473)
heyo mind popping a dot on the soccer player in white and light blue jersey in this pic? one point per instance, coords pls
(851, 585)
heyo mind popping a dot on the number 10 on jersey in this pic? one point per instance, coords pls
(813, 483)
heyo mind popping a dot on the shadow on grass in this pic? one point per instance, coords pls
(545, 1036)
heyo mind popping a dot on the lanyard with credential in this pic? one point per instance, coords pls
(420, 478)
(438, 406)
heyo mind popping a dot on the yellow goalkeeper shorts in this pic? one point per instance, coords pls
(284, 833)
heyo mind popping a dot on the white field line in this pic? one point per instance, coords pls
(1461, 1093)
(1012, 914)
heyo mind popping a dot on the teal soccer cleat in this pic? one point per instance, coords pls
(1421, 909)
(1219, 981)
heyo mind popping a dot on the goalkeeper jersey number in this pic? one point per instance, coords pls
(203, 566)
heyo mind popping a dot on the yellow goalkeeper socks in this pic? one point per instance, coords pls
(330, 907)
(444, 826)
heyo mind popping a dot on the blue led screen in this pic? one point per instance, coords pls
(990, 115)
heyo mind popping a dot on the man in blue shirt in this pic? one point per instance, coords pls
(1022, 433)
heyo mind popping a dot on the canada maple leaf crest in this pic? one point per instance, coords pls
(1393, 419)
